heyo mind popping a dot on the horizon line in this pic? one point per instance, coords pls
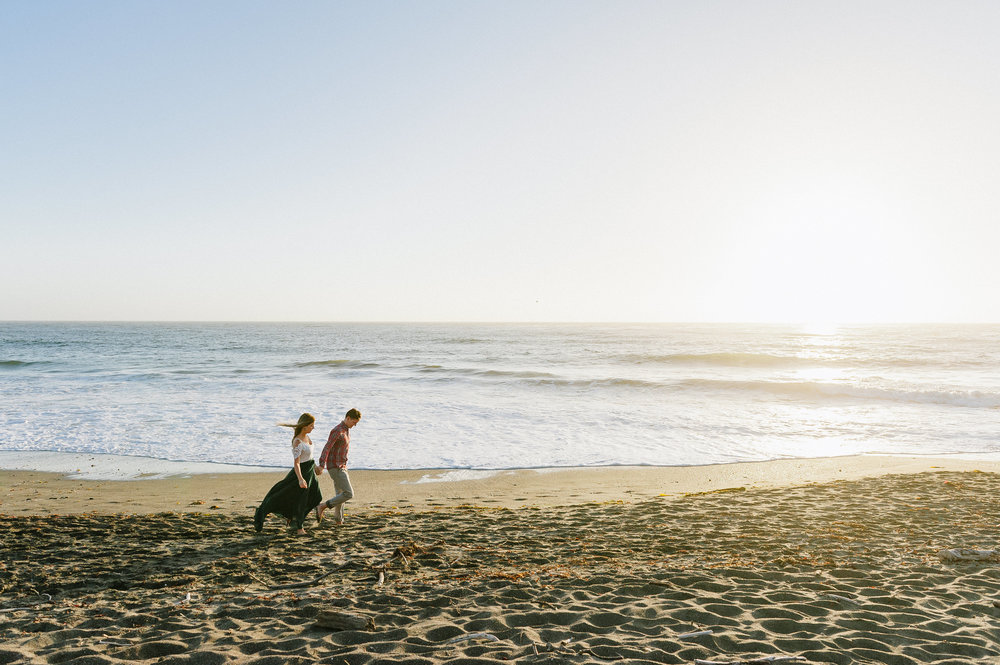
(515, 322)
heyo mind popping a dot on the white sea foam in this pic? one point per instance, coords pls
(819, 389)
(95, 466)
(454, 476)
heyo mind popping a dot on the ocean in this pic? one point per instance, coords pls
(500, 396)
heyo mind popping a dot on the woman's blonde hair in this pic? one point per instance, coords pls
(305, 420)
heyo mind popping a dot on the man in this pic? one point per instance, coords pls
(334, 458)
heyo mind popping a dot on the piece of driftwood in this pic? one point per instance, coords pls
(257, 579)
(31, 606)
(766, 660)
(968, 555)
(339, 620)
(695, 634)
(549, 646)
(843, 599)
(413, 549)
(996, 603)
(472, 636)
(590, 652)
(299, 585)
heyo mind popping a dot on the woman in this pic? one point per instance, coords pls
(298, 492)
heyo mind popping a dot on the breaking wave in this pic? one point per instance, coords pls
(350, 364)
(814, 390)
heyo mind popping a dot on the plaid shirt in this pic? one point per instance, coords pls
(335, 452)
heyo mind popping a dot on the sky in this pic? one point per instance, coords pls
(463, 160)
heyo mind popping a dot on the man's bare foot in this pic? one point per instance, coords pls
(300, 532)
(319, 510)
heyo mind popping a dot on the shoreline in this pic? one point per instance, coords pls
(120, 467)
(238, 491)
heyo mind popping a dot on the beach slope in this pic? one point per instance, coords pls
(842, 572)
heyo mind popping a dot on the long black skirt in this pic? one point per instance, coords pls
(289, 500)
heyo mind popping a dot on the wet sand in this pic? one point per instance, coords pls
(575, 569)
(27, 492)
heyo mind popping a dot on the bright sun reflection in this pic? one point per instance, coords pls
(820, 328)
(819, 374)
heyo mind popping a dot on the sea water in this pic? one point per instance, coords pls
(497, 396)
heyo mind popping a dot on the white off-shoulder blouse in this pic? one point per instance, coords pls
(302, 451)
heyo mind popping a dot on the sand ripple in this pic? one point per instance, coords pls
(840, 573)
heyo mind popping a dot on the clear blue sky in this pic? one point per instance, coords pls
(492, 161)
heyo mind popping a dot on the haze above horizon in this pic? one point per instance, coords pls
(520, 161)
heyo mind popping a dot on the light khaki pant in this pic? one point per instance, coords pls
(344, 492)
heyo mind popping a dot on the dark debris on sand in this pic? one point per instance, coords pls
(843, 572)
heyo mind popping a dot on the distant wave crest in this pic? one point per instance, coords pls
(746, 359)
(487, 373)
(467, 340)
(527, 378)
(337, 363)
(16, 364)
(819, 390)
(726, 359)
(812, 391)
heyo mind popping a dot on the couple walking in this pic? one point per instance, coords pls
(298, 493)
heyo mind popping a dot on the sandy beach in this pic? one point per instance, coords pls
(833, 560)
